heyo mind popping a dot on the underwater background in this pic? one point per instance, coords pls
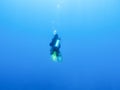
(90, 44)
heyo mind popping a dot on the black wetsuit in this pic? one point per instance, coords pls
(52, 44)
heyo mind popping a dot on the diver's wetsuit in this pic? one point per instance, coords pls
(53, 47)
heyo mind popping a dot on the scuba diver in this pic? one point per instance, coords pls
(55, 48)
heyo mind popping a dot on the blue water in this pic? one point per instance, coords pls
(90, 39)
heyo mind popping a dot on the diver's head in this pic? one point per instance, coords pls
(54, 32)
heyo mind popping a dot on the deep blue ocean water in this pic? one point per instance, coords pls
(90, 44)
